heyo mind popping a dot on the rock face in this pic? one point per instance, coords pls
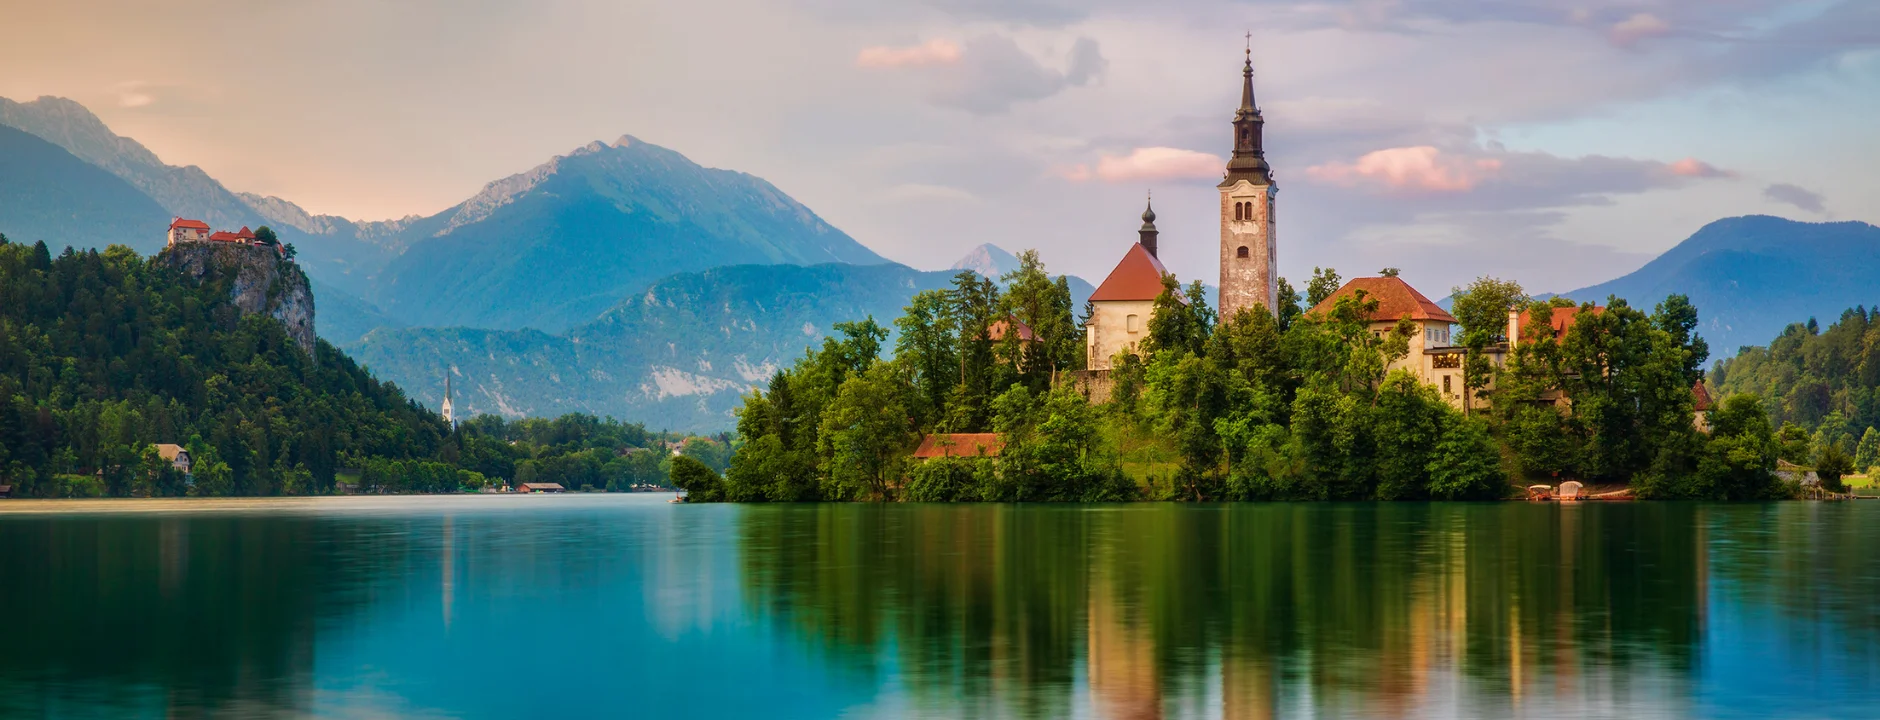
(262, 282)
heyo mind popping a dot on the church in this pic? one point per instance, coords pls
(1249, 280)
(1121, 306)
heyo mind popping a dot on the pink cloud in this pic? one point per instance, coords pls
(1629, 31)
(1693, 167)
(1415, 169)
(1148, 163)
(932, 52)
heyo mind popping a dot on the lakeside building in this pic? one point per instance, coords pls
(1434, 360)
(177, 456)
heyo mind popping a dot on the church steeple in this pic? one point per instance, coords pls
(1148, 232)
(1249, 159)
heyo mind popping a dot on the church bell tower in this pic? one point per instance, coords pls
(1249, 252)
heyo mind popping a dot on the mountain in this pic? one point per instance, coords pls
(48, 194)
(993, 262)
(345, 318)
(553, 247)
(988, 260)
(340, 252)
(678, 355)
(1752, 276)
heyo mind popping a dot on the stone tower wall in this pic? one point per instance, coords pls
(1251, 281)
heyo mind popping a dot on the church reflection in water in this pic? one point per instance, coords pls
(1248, 611)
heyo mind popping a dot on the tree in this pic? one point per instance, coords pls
(1831, 464)
(1389, 272)
(1793, 444)
(1324, 283)
(265, 236)
(1482, 310)
(1867, 453)
(698, 481)
(864, 437)
(1288, 309)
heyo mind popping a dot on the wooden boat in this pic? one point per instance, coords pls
(1540, 493)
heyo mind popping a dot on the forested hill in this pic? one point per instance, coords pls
(103, 354)
(1820, 379)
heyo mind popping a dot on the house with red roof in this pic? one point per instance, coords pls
(1122, 305)
(1433, 357)
(184, 230)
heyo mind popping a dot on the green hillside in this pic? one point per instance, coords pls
(677, 356)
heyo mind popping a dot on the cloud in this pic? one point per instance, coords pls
(994, 74)
(1798, 196)
(134, 94)
(1695, 168)
(1415, 169)
(1148, 164)
(932, 52)
(1630, 31)
(1495, 178)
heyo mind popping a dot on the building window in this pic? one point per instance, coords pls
(1446, 389)
(1241, 253)
(1133, 323)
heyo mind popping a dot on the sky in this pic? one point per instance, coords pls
(1558, 144)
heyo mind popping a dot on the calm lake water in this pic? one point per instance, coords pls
(626, 606)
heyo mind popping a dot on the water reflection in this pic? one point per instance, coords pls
(1333, 610)
(587, 606)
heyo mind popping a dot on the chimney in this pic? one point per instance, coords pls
(1514, 328)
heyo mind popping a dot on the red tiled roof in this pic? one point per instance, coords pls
(191, 224)
(959, 445)
(1395, 299)
(1137, 277)
(1700, 395)
(1562, 320)
(245, 233)
(224, 236)
(996, 331)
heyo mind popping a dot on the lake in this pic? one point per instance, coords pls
(626, 606)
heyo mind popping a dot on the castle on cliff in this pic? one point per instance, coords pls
(184, 230)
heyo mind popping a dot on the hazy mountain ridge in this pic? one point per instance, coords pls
(679, 355)
(48, 193)
(1752, 276)
(555, 246)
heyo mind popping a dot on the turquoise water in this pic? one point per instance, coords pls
(626, 606)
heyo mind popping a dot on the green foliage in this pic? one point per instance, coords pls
(1819, 380)
(1867, 453)
(265, 236)
(1325, 282)
(1482, 310)
(697, 480)
(1737, 461)
(1831, 464)
(948, 479)
(1794, 444)
(103, 354)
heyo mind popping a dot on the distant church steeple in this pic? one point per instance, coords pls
(1148, 232)
(450, 416)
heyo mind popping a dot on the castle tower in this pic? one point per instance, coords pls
(1249, 252)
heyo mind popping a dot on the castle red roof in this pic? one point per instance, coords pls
(245, 233)
(960, 445)
(1395, 300)
(1137, 277)
(190, 224)
(224, 236)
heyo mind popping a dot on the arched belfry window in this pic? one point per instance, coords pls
(1236, 212)
(1241, 253)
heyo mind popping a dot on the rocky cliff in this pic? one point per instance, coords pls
(260, 281)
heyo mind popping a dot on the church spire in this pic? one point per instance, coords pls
(1148, 232)
(1249, 159)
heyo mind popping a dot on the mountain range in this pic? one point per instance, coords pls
(1751, 276)
(625, 279)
